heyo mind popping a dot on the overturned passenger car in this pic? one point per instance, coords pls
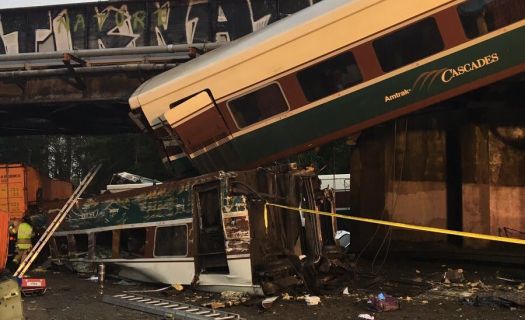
(207, 231)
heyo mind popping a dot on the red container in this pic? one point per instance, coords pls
(33, 286)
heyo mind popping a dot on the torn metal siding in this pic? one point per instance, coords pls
(169, 201)
(236, 224)
(156, 205)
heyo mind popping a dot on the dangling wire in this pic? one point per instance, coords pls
(388, 234)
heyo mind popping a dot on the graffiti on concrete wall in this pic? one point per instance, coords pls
(9, 41)
(137, 23)
(115, 27)
(56, 36)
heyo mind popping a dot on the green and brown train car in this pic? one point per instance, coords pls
(207, 231)
(326, 72)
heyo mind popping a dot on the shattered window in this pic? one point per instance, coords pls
(132, 243)
(103, 244)
(62, 246)
(480, 17)
(81, 242)
(171, 241)
(258, 105)
(409, 44)
(330, 76)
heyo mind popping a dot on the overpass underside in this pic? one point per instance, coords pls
(81, 92)
(41, 92)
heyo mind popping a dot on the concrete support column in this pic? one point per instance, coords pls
(476, 184)
(368, 183)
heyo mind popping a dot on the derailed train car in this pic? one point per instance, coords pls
(207, 231)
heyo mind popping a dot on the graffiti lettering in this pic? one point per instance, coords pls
(9, 41)
(80, 24)
(57, 37)
(158, 22)
(161, 14)
(116, 32)
(138, 20)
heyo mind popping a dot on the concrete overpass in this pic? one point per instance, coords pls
(69, 69)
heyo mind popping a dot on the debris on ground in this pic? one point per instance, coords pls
(268, 302)
(312, 300)
(453, 276)
(512, 277)
(228, 299)
(215, 305)
(148, 290)
(126, 283)
(235, 297)
(178, 287)
(92, 278)
(480, 293)
(286, 296)
(346, 292)
(382, 302)
(500, 299)
(365, 316)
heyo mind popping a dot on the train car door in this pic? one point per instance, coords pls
(197, 122)
(210, 257)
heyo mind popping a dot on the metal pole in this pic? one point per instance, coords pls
(85, 53)
(86, 70)
(101, 277)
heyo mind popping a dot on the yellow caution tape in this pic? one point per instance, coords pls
(396, 225)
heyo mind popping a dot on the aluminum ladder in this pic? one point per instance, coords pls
(168, 309)
(35, 251)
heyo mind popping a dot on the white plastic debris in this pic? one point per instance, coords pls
(346, 292)
(365, 316)
(312, 300)
(268, 302)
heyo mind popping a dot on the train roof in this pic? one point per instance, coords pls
(187, 79)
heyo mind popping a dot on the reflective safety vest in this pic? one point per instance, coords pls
(25, 232)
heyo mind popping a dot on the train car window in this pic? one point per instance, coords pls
(480, 17)
(258, 105)
(81, 242)
(330, 76)
(62, 247)
(132, 243)
(171, 241)
(408, 45)
(103, 244)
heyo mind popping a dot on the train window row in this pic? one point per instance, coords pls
(127, 243)
(480, 17)
(393, 51)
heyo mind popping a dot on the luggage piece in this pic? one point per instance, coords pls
(10, 301)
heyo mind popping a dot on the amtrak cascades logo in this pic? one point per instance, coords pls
(450, 74)
(445, 75)
(398, 95)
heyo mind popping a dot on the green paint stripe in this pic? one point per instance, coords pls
(362, 105)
